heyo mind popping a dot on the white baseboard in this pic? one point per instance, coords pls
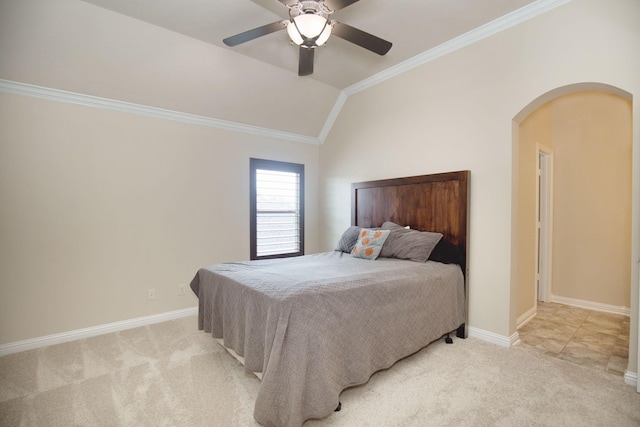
(526, 317)
(514, 339)
(493, 338)
(631, 378)
(93, 331)
(531, 313)
(625, 311)
(501, 340)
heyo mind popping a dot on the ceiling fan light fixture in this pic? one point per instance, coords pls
(309, 30)
(324, 35)
(309, 27)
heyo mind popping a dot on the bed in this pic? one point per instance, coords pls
(317, 324)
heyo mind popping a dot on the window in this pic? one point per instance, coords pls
(277, 209)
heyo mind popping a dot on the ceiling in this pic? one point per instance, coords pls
(166, 57)
(413, 26)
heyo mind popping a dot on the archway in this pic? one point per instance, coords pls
(545, 120)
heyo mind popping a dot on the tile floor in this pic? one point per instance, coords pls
(586, 337)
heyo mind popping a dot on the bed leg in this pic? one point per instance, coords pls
(461, 332)
(339, 407)
(448, 339)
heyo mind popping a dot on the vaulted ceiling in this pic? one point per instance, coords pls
(413, 26)
(169, 54)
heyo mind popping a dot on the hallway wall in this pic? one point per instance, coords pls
(592, 198)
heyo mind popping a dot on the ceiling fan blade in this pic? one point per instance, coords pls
(361, 38)
(273, 7)
(305, 66)
(254, 34)
(339, 4)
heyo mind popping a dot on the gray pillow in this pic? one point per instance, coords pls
(409, 244)
(348, 239)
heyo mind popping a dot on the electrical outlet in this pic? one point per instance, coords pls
(151, 294)
(181, 289)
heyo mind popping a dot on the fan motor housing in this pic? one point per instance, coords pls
(310, 6)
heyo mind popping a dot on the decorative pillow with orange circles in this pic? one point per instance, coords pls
(369, 243)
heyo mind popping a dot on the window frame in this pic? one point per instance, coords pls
(263, 164)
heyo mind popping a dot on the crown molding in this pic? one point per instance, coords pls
(144, 110)
(333, 116)
(500, 24)
(514, 18)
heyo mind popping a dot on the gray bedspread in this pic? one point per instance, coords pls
(317, 324)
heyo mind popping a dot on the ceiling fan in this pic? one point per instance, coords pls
(309, 27)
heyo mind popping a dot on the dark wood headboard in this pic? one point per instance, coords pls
(437, 202)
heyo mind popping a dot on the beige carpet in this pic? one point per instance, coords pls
(170, 374)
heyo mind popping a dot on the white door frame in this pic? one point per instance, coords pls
(544, 222)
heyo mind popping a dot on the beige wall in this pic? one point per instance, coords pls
(457, 111)
(453, 113)
(590, 133)
(99, 206)
(592, 198)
